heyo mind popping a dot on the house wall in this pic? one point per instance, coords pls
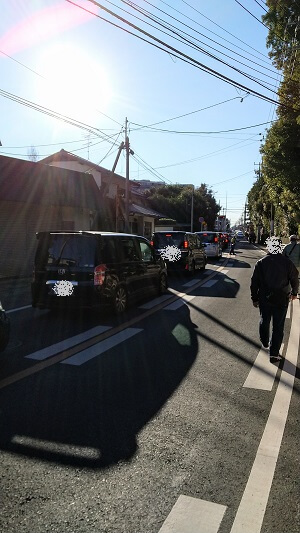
(18, 224)
(79, 167)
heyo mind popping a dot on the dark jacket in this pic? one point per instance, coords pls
(274, 271)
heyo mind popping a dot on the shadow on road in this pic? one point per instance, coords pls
(90, 415)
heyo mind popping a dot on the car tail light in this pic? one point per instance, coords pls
(99, 274)
(216, 239)
(168, 235)
(185, 244)
(152, 243)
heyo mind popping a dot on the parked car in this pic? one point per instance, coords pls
(91, 269)
(181, 250)
(212, 243)
(4, 329)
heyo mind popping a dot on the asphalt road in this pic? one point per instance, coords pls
(170, 419)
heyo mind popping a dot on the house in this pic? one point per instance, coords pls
(112, 191)
(36, 197)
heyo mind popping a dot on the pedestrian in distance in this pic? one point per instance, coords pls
(292, 251)
(232, 245)
(274, 283)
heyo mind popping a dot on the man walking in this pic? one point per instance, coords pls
(274, 282)
(232, 245)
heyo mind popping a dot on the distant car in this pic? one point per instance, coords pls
(212, 243)
(4, 329)
(239, 234)
(93, 268)
(181, 250)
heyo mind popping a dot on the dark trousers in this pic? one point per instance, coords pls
(270, 312)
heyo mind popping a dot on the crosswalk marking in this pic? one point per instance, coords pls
(40, 355)
(209, 283)
(97, 349)
(156, 301)
(178, 303)
(192, 515)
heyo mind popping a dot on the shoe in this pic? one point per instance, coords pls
(275, 358)
(266, 346)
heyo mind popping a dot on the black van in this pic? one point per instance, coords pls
(181, 250)
(90, 268)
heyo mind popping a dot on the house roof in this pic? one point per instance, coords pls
(141, 210)
(63, 155)
(37, 183)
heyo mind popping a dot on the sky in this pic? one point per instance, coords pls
(72, 73)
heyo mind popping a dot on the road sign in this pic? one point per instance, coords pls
(201, 219)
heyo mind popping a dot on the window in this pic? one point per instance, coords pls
(146, 251)
(147, 230)
(129, 250)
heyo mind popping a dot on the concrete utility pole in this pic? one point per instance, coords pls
(192, 210)
(127, 178)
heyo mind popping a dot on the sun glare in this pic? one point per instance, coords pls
(76, 84)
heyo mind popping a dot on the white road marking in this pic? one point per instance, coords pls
(288, 313)
(209, 283)
(93, 351)
(40, 355)
(178, 303)
(156, 301)
(262, 373)
(18, 309)
(190, 515)
(250, 514)
(224, 271)
(191, 283)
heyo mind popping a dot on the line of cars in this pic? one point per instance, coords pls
(92, 269)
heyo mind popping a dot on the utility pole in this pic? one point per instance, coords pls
(127, 178)
(192, 209)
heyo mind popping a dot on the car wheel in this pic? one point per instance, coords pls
(204, 265)
(163, 284)
(120, 300)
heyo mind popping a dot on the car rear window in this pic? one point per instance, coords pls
(161, 240)
(66, 250)
(208, 238)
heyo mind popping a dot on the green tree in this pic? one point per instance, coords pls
(175, 202)
(281, 149)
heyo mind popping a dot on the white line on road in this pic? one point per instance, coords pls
(288, 313)
(40, 355)
(93, 351)
(191, 283)
(209, 283)
(190, 515)
(251, 511)
(18, 309)
(262, 374)
(224, 271)
(178, 303)
(156, 301)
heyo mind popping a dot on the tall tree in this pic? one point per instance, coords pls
(281, 149)
(175, 202)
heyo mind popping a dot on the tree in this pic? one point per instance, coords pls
(175, 202)
(281, 149)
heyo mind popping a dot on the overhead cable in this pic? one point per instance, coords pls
(176, 53)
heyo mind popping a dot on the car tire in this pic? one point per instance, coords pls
(163, 284)
(120, 300)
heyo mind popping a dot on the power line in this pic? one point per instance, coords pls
(55, 114)
(176, 53)
(157, 19)
(203, 132)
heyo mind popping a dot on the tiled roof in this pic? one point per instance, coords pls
(141, 210)
(36, 183)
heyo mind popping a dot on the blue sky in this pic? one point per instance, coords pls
(69, 61)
